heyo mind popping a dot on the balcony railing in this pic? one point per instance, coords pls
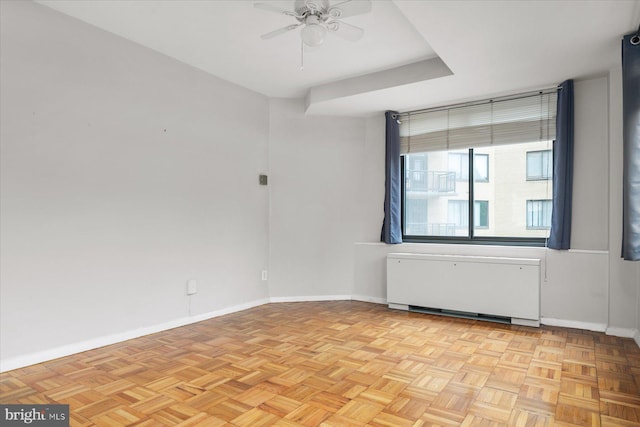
(431, 181)
(431, 229)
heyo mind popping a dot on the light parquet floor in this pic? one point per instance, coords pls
(343, 363)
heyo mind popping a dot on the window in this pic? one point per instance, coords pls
(481, 214)
(459, 164)
(481, 167)
(458, 212)
(416, 173)
(416, 216)
(539, 214)
(503, 208)
(479, 172)
(539, 165)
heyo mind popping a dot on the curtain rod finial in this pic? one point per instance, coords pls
(635, 39)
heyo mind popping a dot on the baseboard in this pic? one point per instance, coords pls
(636, 338)
(622, 332)
(79, 347)
(525, 322)
(311, 298)
(365, 298)
(575, 324)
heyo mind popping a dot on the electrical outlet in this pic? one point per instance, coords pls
(192, 287)
(264, 274)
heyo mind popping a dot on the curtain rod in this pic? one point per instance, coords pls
(545, 91)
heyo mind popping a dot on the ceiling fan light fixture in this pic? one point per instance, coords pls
(313, 34)
(319, 17)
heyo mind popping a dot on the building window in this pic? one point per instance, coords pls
(539, 214)
(416, 216)
(458, 213)
(539, 165)
(459, 164)
(416, 172)
(481, 214)
(481, 167)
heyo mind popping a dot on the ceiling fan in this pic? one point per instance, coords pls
(319, 17)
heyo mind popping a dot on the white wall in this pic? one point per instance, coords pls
(124, 173)
(590, 220)
(314, 183)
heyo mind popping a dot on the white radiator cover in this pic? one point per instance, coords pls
(494, 286)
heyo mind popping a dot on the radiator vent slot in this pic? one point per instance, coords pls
(460, 314)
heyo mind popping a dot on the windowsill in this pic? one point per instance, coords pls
(530, 242)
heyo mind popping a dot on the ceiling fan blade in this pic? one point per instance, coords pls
(271, 8)
(345, 31)
(279, 31)
(349, 8)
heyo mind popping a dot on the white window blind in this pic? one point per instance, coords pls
(521, 118)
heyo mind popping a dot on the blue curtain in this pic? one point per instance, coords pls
(631, 150)
(560, 234)
(392, 226)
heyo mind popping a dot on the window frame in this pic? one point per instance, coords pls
(471, 238)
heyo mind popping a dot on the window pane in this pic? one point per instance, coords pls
(547, 164)
(459, 163)
(534, 165)
(416, 216)
(539, 214)
(510, 188)
(481, 167)
(539, 164)
(507, 202)
(481, 214)
(459, 213)
(430, 186)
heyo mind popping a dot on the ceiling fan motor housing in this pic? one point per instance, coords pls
(311, 7)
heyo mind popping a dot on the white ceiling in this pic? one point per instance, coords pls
(491, 47)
